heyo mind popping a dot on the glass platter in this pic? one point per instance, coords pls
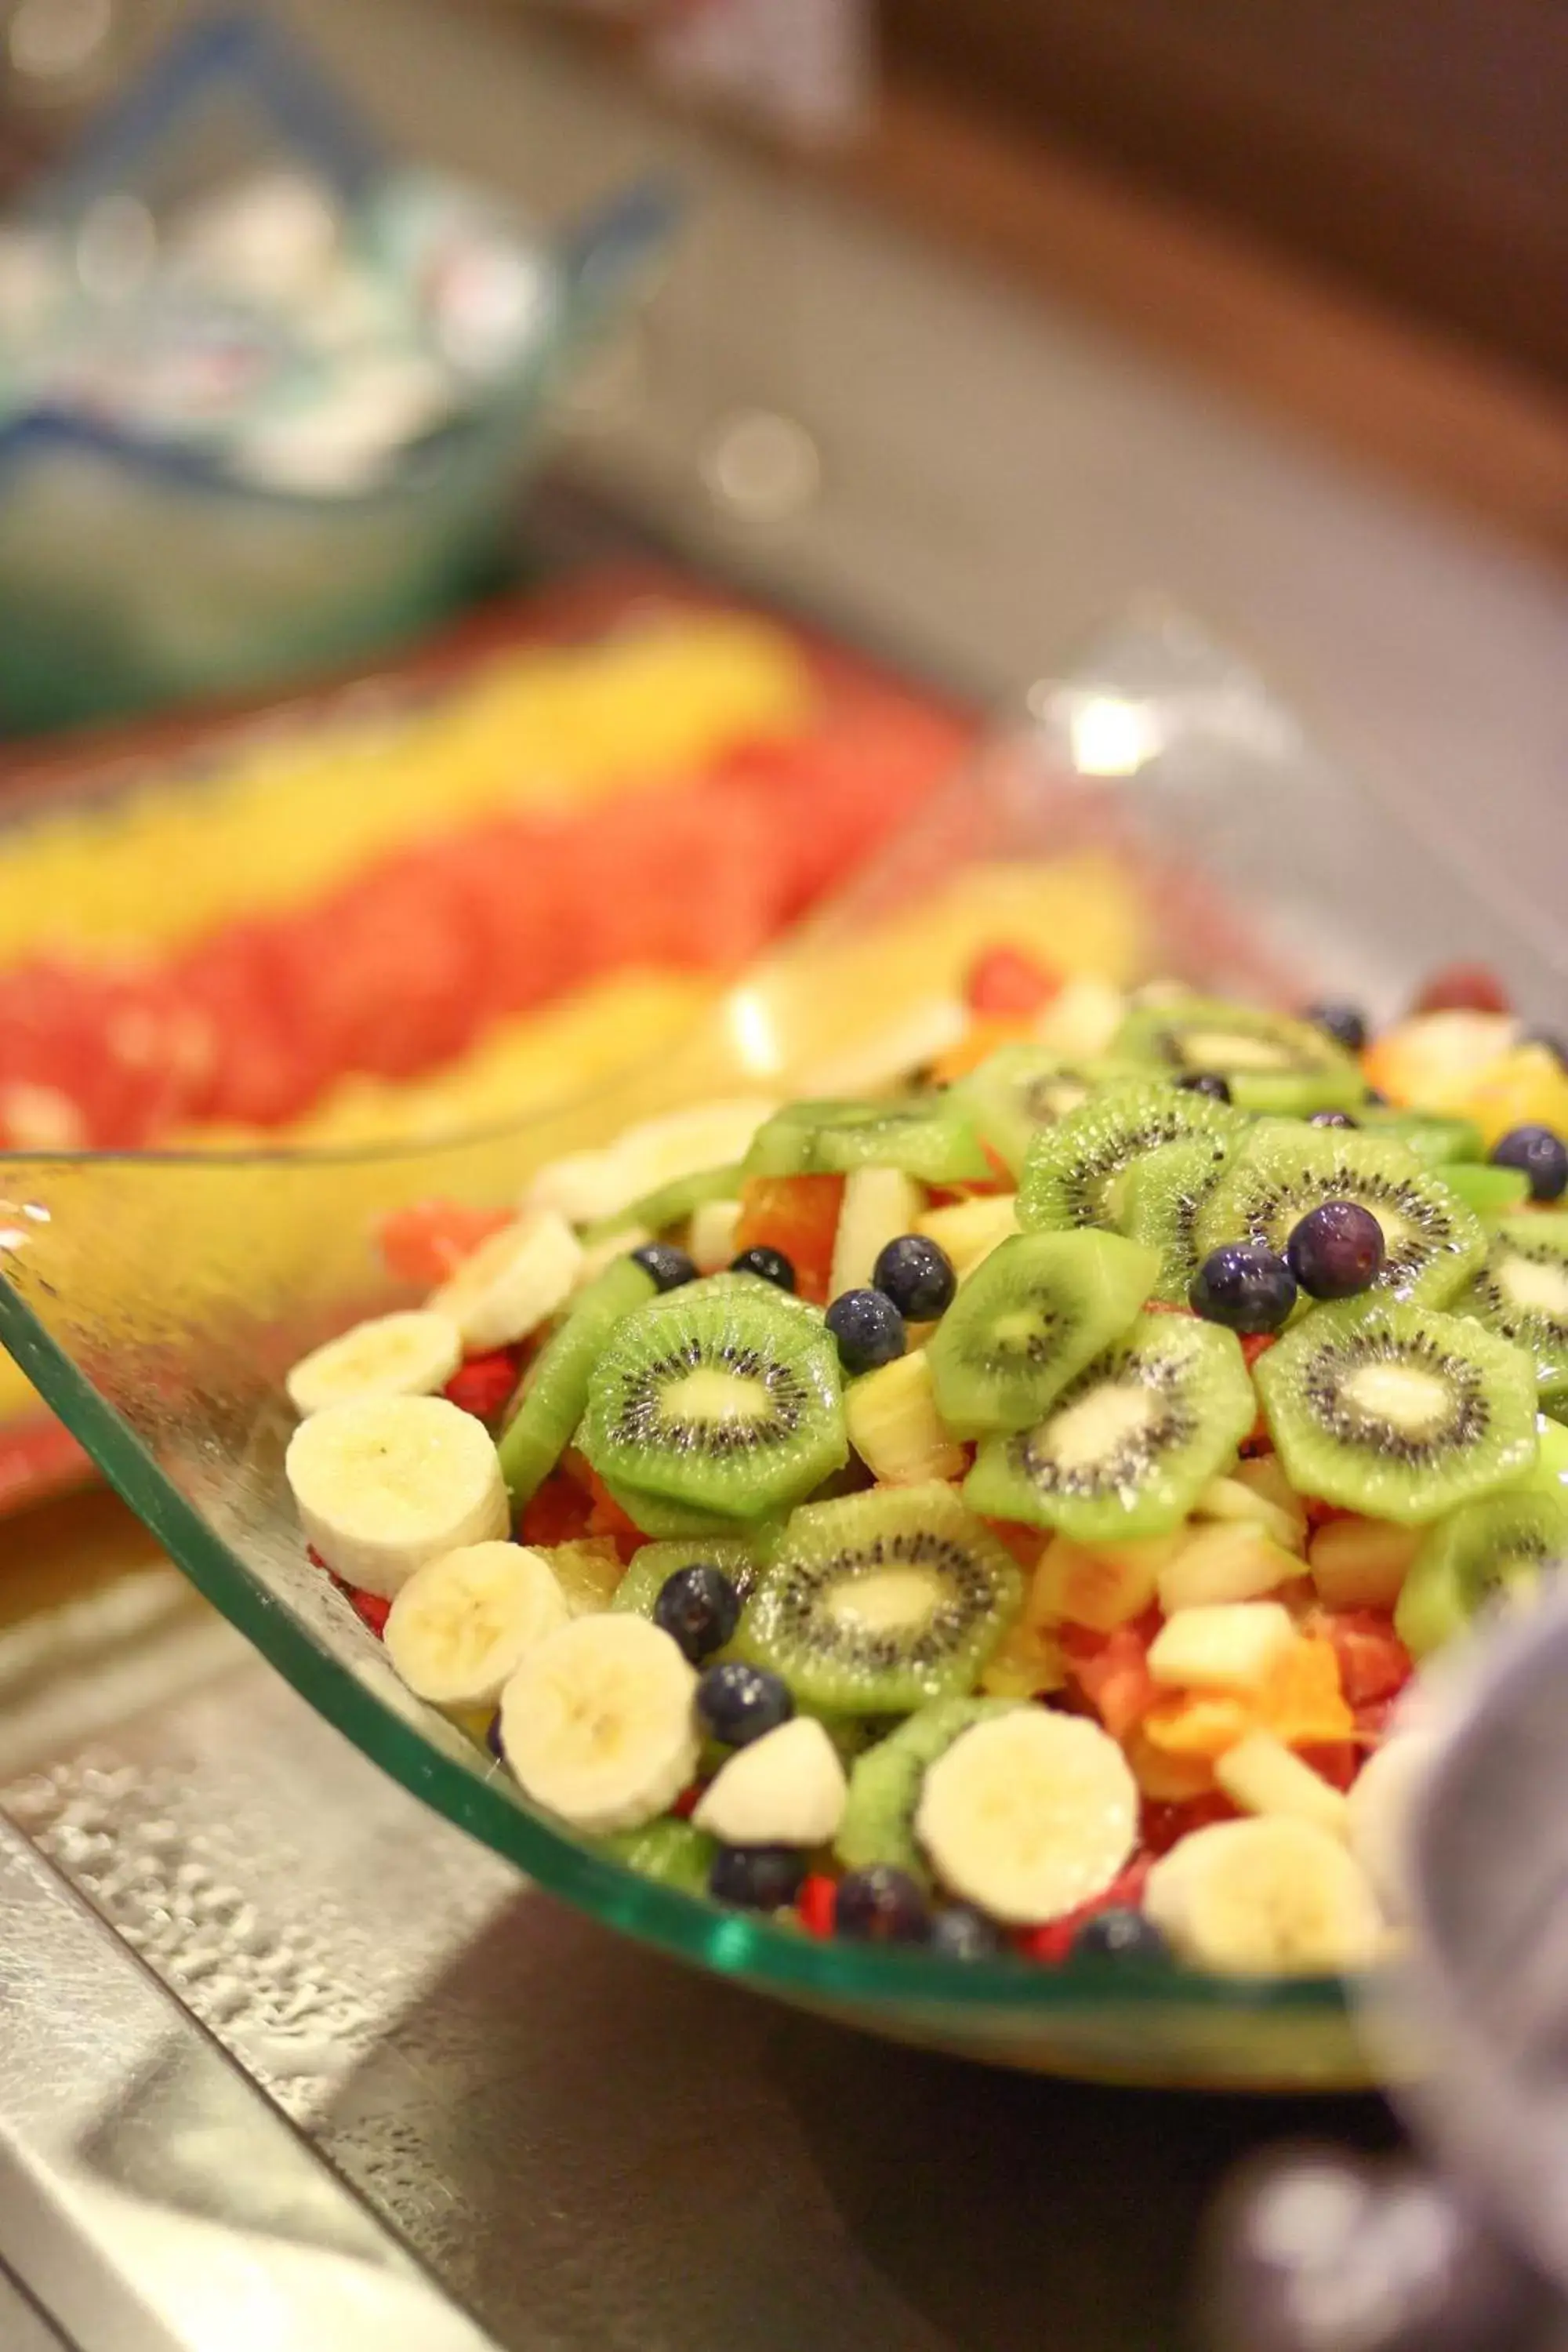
(156, 1300)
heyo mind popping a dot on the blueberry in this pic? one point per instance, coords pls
(492, 1738)
(1542, 1154)
(758, 1877)
(669, 1266)
(917, 1275)
(770, 1264)
(1207, 1082)
(1120, 1934)
(737, 1703)
(964, 1933)
(1336, 1251)
(1332, 1119)
(1346, 1023)
(699, 1608)
(869, 1328)
(1245, 1287)
(881, 1905)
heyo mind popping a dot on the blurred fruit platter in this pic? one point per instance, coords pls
(434, 900)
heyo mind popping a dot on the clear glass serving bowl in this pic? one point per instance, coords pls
(155, 1301)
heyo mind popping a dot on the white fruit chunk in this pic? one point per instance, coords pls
(879, 1205)
(786, 1789)
(1261, 1775)
(1029, 1814)
(464, 1622)
(894, 1426)
(414, 1353)
(711, 1237)
(1380, 1804)
(513, 1281)
(1231, 1561)
(385, 1484)
(598, 1724)
(1230, 1646)
(1264, 1897)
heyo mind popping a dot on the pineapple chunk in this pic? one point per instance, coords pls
(712, 1238)
(1198, 1726)
(1081, 1018)
(1100, 1588)
(970, 1230)
(1229, 1646)
(1168, 1775)
(1257, 1491)
(1027, 1663)
(588, 1572)
(1262, 1776)
(879, 1203)
(1361, 1563)
(1233, 1561)
(895, 1428)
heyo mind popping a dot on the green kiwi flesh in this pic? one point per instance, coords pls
(1434, 1139)
(555, 1387)
(1522, 1291)
(670, 1851)
(652, 1567)
(1021, 1088)
(1129, 1447)
(670, 1205)
(1270, 1061)
(929, 1136)
(879, 1822)
(725, 1401)
(1162, 1199)
(1497, 1547)
(1489, 1192)
(1282, 1169)
(1075, 1172)
(878, 1601)
(1396, 1411)
(1027, 1320)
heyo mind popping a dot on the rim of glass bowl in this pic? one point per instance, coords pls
(689, 1927)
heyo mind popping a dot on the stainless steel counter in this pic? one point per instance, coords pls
(588, 2148)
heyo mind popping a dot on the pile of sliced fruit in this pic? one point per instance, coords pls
(1001, 1516)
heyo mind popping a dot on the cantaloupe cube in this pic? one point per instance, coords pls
(894, 1426)
(1302, 1700)
(1168, 1775)
(1261, 1775)
(1232, 1560)
(1102, 1588)
(1230, 1646)
(1196, 1726)
(1361, 1563)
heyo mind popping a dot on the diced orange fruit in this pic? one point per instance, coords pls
(1197, 1723)
(1166, 1776)
(1302, 1702)
(796, 1214)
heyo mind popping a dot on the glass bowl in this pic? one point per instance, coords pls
(156, 1300)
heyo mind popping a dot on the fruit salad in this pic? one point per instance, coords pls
(996, 1516)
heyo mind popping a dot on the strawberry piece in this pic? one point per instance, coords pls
(1336, 1761)
(430, 1240)
(1463, 988)
(1111, 1670)
(608, 1518)
(1374, 1662)
(483, 1385)
(796, 1214)
(369, 1608)
(1053, 1943)
(1007, 980)
(1255, 1344)
(686, 1805)
(816, 1902)
(1166, 1825)
(557, 1514)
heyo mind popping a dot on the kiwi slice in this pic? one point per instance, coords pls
(1075, 1172)
(671, 1205)
(555, 1386)
(723, 1401)
(1396, 1411)
(1522, 1291)
(1021, 1089)
(673, 1522)
(672, 1851)
(1432, 1242)
(876, 1602)
(1130, 1446)
(1271, 1062)
(1163, 1198)
(655, 1563)
(1489, 1192)
(879, 1822)
(1029, 1320)
(1496, 1547)
(930, 1135)
(730, 1285)
(1434, 1139)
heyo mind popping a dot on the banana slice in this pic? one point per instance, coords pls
(410, 1354)
(582, 1187)
(587, 1186)
(598, 1724)
(1379, 1804)
(1029, 1814)
(463, 1623)
(387, 1482)
(1272, 1897)
(879, 1203)
(513, 1281)
(786, 1788)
